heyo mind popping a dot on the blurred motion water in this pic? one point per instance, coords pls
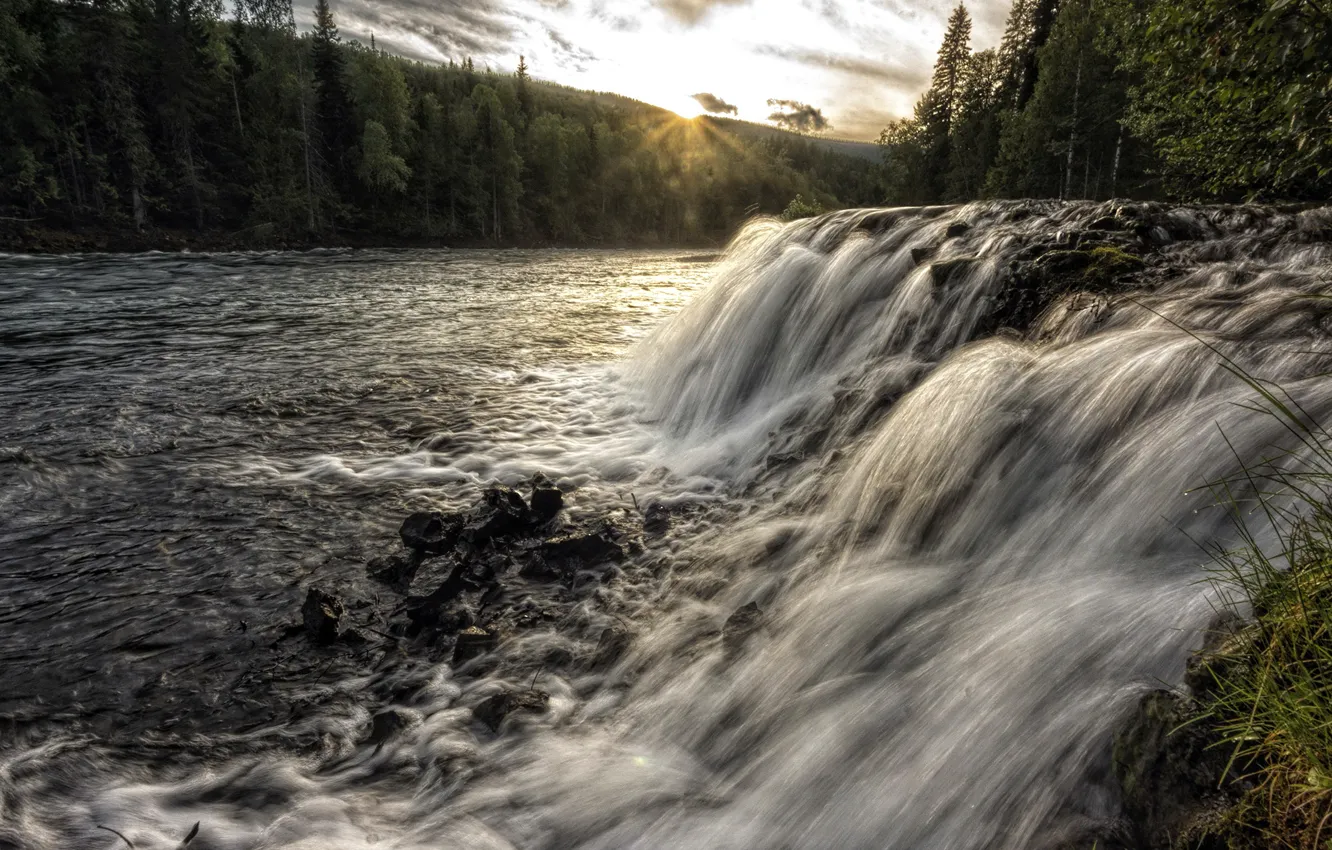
(969, 551)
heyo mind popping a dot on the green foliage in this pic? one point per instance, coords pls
(1236, 95)
(381, 170)
(801, 208)
(1270, 688)
(1103, 98)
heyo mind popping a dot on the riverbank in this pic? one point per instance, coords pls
(22, 237)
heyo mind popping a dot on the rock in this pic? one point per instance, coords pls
(946, 272)
(957, 228)
(354, 637)
(657, 518)
(387, 724)
(473, 642)
(547, 500)
(321, 613)
(493, 709)
(612, 646)
(922, 255)
(501, 513)
(429, 533)
(742, 623)
(1110, 222)
(1170, 770)
(1219, 641)
(589, 548)
(429, 613)
(396, 571)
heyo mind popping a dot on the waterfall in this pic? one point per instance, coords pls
(972, 547)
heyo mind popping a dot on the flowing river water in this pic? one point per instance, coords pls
(971, 550)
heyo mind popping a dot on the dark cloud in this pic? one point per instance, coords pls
(794, 115)
(455, 28)
(569, 54)
(904, 78)
(712, 103)
(690, 12)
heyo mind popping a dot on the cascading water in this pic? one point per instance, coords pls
(970, 552)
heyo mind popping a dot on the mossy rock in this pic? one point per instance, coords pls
(1094, 269)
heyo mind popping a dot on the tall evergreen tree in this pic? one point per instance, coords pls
(334, 105)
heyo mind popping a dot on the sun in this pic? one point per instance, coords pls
(686, 107)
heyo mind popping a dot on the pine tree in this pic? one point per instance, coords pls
(333, 104)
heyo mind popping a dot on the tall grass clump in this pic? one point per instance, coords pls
(1268, 688)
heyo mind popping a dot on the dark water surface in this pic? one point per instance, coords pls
(185, 439)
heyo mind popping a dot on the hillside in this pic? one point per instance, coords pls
(126, 119)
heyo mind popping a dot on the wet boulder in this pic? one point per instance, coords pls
(386, 725)
(1173, 777)
(397, 571)
(612, 646)
(957, 228)
(501, 513)
(437, 614)
(473, 642)
(321, 613)
(743, 622)
(430, 532)
(657, 519)
(587, 548)
(547, 500)
(493, 709)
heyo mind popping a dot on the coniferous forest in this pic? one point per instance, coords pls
(1194, 100)
(126, 117)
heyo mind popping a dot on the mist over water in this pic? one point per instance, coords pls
(971, 551)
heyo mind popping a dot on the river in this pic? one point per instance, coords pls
(971, 550)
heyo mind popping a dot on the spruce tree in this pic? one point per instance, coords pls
(333, 104)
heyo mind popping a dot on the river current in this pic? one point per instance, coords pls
(971, 550)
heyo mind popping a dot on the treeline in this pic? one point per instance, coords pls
(1190, 99)
(142, 114)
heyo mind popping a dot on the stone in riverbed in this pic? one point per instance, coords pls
(501, 513)
(473, 642)
(742, 623)
(657, 518)
(588, 547)
(321, 612)
(429, 532)
(547, 500)
(493, 709)
(612, 646)
(386, 724)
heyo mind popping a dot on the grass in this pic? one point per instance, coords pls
(1270, 691)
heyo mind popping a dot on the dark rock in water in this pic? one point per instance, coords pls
(957, 228)
(1210, 662)
(429, 613)
(1170, 772)
(353, 637)
(493, 709)
(742, 623)
(397, 571)
(1110, 222)
(321, 613)
(922, 255)
(501, 513)
(547, 500)
(945, 272)
(429, 533)
(589, 548)
(473, 642)
(657, 518)
(387, 724)
(612, 646)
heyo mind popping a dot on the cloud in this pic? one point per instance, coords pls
(429, 29)
(905, 78)
(690, 12)
(570, 55)
(798, 116)
(712, 103)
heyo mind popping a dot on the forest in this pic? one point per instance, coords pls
(1201, 100)
(126, 117)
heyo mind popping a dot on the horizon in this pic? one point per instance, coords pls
(856, 65)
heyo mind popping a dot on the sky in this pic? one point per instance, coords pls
(855, 64)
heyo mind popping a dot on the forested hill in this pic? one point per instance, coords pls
(133, 119)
